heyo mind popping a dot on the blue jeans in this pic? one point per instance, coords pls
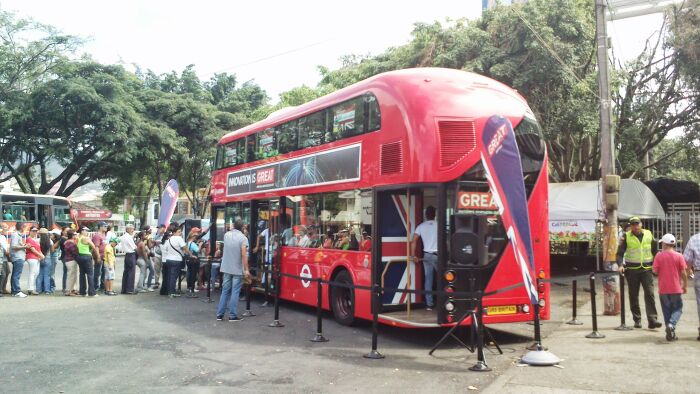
(97, 274)
(17, 266)
(671, 307)
(230, 292)
(172, 269)
(52, 272)
(151, 271)
(43, 281)
(87, 272)
(429, 268)
(215, 267)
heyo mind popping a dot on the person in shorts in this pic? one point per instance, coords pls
(109, 262)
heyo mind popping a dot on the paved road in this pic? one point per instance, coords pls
(55, 344)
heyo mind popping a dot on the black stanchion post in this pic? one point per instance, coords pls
(537, 345)
(209, 300)
(374, 354)
(276, 322)
(574, 321)
(247, 312)
(266, 278)
(478, 325)
(594, 314)
(319, 318)
(622, 326)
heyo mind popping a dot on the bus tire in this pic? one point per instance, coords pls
(343, 300)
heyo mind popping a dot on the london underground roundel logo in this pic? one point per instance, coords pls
(305, 273)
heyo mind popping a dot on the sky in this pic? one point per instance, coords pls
(279, 44)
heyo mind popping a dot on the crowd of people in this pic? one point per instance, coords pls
(89, 260)
(164, 256)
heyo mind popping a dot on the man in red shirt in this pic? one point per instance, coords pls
(670, 267)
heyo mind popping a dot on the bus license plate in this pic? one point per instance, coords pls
(502, 310)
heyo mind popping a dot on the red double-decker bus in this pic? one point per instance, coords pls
(335, 189)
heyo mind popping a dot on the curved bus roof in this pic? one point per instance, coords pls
(431, 120)
(399, 80)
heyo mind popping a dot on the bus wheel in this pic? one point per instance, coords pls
(343, 300)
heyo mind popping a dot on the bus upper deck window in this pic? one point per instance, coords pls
(287, 137)
(311, 129)
(374, 118)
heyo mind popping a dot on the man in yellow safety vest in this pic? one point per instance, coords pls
(636, 256)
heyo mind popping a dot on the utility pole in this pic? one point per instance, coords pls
(607, 138)
(610, 183)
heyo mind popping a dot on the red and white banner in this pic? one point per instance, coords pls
(92, 214)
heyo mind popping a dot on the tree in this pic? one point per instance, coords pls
(85, 120)
(684, 21)
(30, 52)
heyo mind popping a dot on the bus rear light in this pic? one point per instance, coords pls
(541, 274)
(542, 302)
(540, 287)
(526, 308)
(449, 306)
(449, 289)
(450, 319)
(450, 276)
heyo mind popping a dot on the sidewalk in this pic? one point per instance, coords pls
(637, 361)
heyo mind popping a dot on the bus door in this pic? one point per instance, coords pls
(264, 233)
(44, 214)
(397, 214)
(474, 239)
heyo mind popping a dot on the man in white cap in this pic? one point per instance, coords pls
(670, 267)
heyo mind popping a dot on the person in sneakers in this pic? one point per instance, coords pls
(109, 263)
(234, 266)
(70, 249)
(635, 255)
(18, 255)
(691, 254)
(4, 257)
(174, 250)
(670, 267)
(99, 239)
(87, 252)
(34, 256)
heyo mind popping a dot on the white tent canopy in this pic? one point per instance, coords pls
(582, 200)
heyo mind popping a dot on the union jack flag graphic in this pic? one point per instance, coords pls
(399, 219)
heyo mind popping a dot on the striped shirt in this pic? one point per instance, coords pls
(692, 252)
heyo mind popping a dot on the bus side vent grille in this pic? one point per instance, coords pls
(457, 139)
(392, 158)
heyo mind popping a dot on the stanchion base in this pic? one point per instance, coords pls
(536, 346)
(480, 366)
(541, 358)
(208, 300)
(248, 313)
(374, 355)
(275, 323)
(319, 338)
(574, 322)
(595, 335)
(623, 327)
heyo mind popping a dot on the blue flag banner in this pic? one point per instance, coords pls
(168, 203)
(504, 173)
